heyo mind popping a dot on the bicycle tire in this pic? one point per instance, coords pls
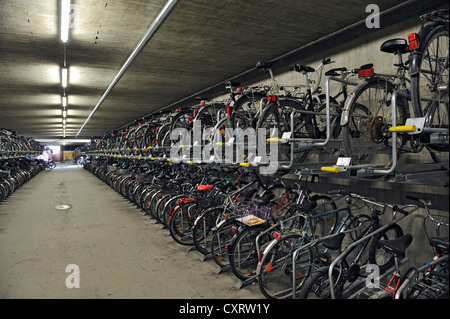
(203, 229)
(326, 224)
(181, 224)
(365, 136)
(220, 240)
(275, 274)
(317, 285)
(245, 110)
(425, 82)
(242, 253)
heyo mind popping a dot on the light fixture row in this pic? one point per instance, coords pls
(65, 24)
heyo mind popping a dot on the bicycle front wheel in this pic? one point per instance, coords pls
(365, 136)
(318, 285)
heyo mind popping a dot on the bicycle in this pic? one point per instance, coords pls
(235, 226)
(428, 69)
(337, 280)
(293, 112)
(49, 165)
(276, 263)
(430, 281)
(244, 250)
(368, 116)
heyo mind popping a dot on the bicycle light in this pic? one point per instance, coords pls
(413, 40)
(365, 73)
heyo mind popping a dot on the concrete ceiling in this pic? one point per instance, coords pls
(201, 44)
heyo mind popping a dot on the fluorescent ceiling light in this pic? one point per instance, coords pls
(64, 114)
(64, 121)
(65, 20)
(64, 101)
(64, 77)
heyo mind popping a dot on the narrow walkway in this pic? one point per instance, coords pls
(120, 252)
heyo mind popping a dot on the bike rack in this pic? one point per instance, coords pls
(349, 248)
(368, 169)
(314, 143)
(419, 270)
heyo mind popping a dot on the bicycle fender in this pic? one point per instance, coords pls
(346, 109)
(268, 248)
(414, 60)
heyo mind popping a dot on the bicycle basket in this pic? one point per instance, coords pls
(249, 213)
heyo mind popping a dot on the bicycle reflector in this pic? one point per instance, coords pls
(272, 98)
(413, 40)
(365, 73)
(276, 236)
(229, 110)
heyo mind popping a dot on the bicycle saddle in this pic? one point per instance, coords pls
(396, 246)
(262, 65)
(439, 242)
(334, 242)
(232, 84)
(264, 200)
(306, 207)
(204, 187)
(395, 46)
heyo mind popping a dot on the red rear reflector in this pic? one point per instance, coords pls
(229, 110)
(276, 236)
(260, 256)
(365, 73)
(195, 113)
(190, 118)
(239, 90)
(227, 246)
(178, 109)
(234, 229)
(202, 103)
(413, 40)
(272, 98)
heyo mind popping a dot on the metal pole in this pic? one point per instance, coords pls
(159, 20)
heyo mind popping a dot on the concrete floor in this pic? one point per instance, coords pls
(120, 252)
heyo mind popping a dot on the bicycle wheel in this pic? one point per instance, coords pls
(202, 231)
(242, 253)
(429, 85)
(279, 117)
(219, 242)
(317, 285)
(366, 137)
(276, 268)
(326, 224)
(181, 223)
(246, 110)
(380, 257)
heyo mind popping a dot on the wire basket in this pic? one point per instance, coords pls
(249, 213)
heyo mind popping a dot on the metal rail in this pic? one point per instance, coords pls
(159, 20)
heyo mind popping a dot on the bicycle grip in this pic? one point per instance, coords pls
(338, 192)
(397, 209)
(412, 198)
